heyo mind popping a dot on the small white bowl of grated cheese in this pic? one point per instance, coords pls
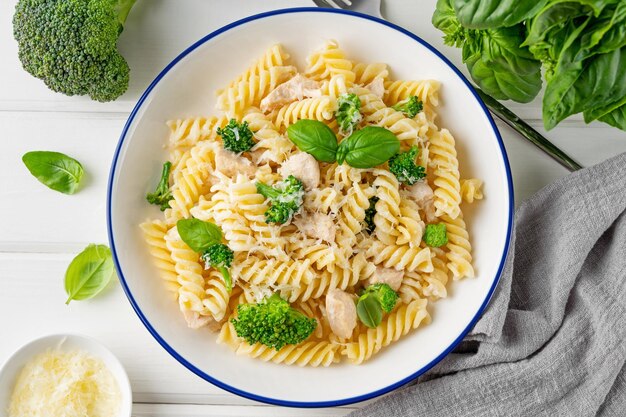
(64, 374)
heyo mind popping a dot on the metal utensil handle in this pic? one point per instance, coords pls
(523, 128)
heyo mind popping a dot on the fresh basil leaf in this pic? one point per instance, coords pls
(369, 310)
(314, 137)
(198, 234)
(493, 14)
(55, 170)
(500, 67)
(617, 118)
(89, 273)
(368, 147)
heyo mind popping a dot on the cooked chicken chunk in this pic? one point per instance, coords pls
(195, 320)
(389, 276)
(341, 311)
(377, 86)
(424, 197)
(304, 167)
(317, 226)
(231, 164)
(295, 89)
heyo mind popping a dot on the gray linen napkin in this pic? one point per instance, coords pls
(553, 339)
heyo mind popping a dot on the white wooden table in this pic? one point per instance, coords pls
(41, 230)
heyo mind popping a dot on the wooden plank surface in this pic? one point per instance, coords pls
(40, 231)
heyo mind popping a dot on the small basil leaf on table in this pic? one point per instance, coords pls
(198, 234)
(55, 170)
(89, 273)
(369, 310)
(368, 147)
(314, 137)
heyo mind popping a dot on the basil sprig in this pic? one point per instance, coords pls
(89, 273)
(198, 234)
(365, 148)
(368, 147)
(55, 170)
(314, 137)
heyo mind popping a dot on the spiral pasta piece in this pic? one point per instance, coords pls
(399, 323)
(459, 248)
(445, 166)
(249, 92)
(154, 232)
(323, 200)
(191, 292)
(471, 189)
(352, 214)
(336, 86)
(271, 146)
(401, 257)
(186, 133)
(318, 108)
(410, 224)
(388, 206)
(426, 90)
(216, 295)
(304, 354)
(329, 61)
(366, 73)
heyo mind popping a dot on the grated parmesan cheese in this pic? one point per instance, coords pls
(65, 384)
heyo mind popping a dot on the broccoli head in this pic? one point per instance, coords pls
(410, 107)
(403, 166)
(435, 235)
(272, 322)
(285, 196)
(385, 295)
(162, 195)
(221, 257)
(370, 212)
(348, 114)
(72, 45)
(236, 137)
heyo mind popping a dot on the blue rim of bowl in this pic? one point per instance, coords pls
(250, 395)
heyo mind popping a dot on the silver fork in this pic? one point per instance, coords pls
(371, 7)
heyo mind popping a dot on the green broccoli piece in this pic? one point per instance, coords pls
(386, 296)
(348, 114)
(72, 45)
(221, 257)
(410, 107)
(403, 166)
(236, 137)
(272, 322)
(370, 212)
(435, 235)
(286, 199)
(162, 195)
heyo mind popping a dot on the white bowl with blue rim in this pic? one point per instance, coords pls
(186, 87)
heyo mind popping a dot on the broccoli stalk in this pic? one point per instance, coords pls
(272, 322)
(72, 45)
(370, 212)
(410, 107)
(348, 114)
(285, 198)
(374, 300)
(435, 235)
(162, 195)
(403, 166)
(219, 256)
(236, 137)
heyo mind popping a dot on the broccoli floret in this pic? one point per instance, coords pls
(435, 235)
(162, 195)
(386, 296)
(370, 212)
(272, 322)
(285, 196)
(403, 166)
(236, 137)
(410, 107)
(72, 45)
(348, 114)
(221, 257)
